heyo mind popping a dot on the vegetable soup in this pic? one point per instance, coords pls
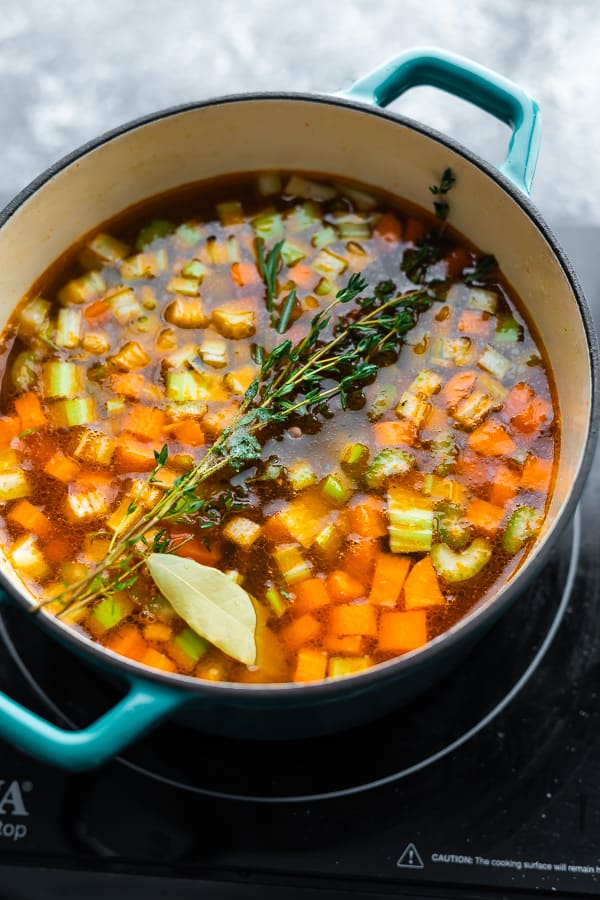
(272, 428)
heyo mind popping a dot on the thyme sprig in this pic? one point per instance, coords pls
(337, 355)
(268, 264)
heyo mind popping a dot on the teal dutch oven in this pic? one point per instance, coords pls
(350, 136)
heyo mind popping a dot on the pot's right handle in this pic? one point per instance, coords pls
(470, 81)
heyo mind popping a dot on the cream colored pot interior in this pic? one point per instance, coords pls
(311, 135)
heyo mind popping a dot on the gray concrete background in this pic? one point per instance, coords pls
(71, 69)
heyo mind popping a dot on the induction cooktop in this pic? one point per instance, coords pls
(487, 786)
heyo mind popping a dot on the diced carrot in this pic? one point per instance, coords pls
(477, 471)
(505, 486)
(403, 631)
(128, 641)
(158, 631)
(96, 310)
(146, 422)
(389, 228)
(536, 474)
(30, 518)
(484, 516)
(359, 559)
(301, 631)
(459, 387)
(303, 276)
(474, 321)
(134, 456)
(189, 432)
(390, 573)
(10, 428)
(422, 587)
(275, 529)
(61, 467)
(414, 230)
(244, 273)
(456, 261)
(310, 594)
(491, 439)
(29, 409)
(394, 433)
(158, 660)
(58, 549)
(517, 399)
(311, 665)
(525, 409)
(181, 658)
(342, 587)
(366, 518)
(129, 384)
(350, 643)
(194, 548)
(357, 618)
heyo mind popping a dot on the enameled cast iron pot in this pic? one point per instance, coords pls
(347, 135)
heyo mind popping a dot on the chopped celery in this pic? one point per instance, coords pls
(324, 287)
(73, 412)
(234, 323)
(84, 507)
(410, 521)
(84, 288)
(508, 329)
(426, 383)
(276, 601)
(191, 644)
(339, 666)
(115, 406)
(9, 459)
(443, 488)
(194, 269)
(361, 199)
(159, 228)
(23, 372)
(524, 524)
(213, 352)
(329, 263)
(145, 265)
(233, 249)
(62, 379)
(103, 249)
(352, 225)
(486, 301)
(241, 531)
(94, 447)
(124, 306)
(27, 557)
(230, 213)
(306, 215)
(459, 350)
(323, 237)
(460, 566)
(298, 186)
(34, 317)
(301, 475)
(240, 379)
(291, 563)
(389, 462)
(473, 410)
(110, 611)
(269, 183)
(186, 313)
(444, 452)
(382, 402)
(413, 407)
(271, 470)
(355, 458)
(68, 327)
(181, 357)
(329, 540)
(336, 489)
(268, 225)
(291, 253)
(13, 485)
(183, 387)
(190, 232)
(187, 286)
(493, 362)
(452, 527)
(492, 387)
(130, 356)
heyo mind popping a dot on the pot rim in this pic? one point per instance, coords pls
(190, 686)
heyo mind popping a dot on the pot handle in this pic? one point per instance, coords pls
(472, 82)
(143, 707)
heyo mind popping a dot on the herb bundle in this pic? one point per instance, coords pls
(337, 355)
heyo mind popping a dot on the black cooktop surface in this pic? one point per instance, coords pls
(486, 786)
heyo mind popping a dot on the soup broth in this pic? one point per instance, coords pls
(370, 523)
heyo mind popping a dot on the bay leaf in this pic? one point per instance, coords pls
(213, 605)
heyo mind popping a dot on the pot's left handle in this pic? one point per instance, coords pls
(472, 82)
(143, 707)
